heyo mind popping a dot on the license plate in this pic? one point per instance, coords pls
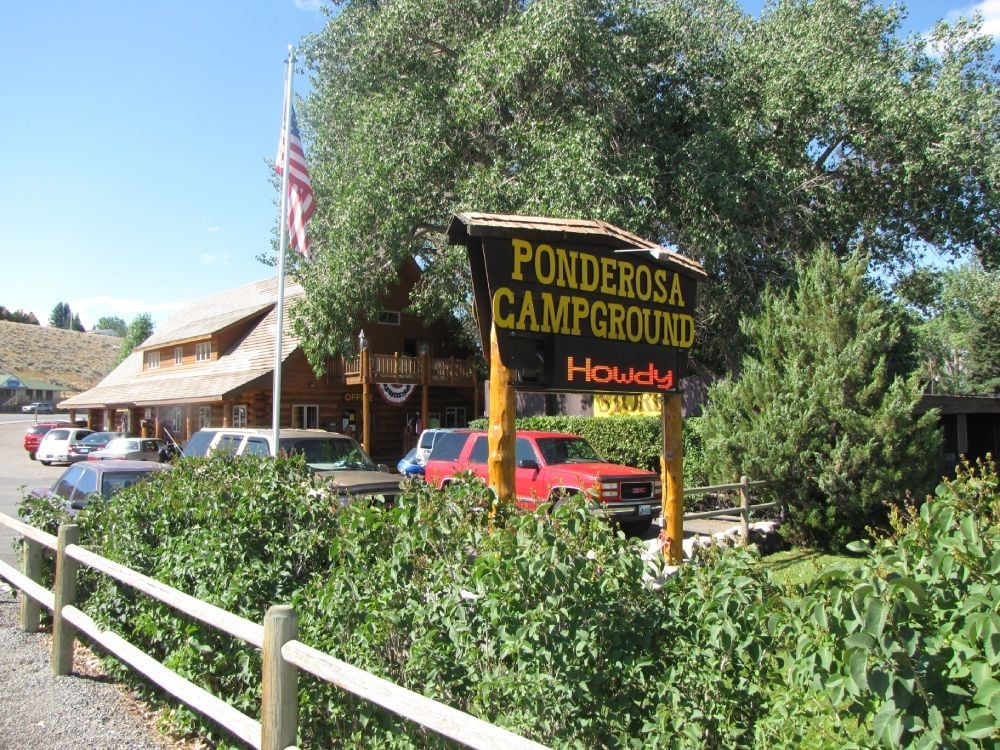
(645, 510)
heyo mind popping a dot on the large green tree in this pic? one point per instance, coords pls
(825, 405)
(959, 328)
(112, 323)
(140, 329)
(744, 141)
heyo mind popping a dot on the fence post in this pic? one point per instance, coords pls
(280, 690)
(745, 508)
(63, 634)
(31, 566)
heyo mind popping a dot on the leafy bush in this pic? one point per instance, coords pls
(546, 624)
(909, 643)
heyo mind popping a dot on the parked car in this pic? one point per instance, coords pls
(36, 432)
(425, 443)
(131, 449)
(54, 447)
(38, 407)
(93, 442)
(409, 466)
(83, 480)
(549, 466)
(335, 456)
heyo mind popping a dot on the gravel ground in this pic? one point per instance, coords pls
(83, 710)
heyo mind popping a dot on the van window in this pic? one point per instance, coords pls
(256, 447)
(198, 444)
(229, 444)
(480, 450)
(448, 445)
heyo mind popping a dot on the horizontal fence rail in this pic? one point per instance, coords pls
(743, 509)
(282, 654)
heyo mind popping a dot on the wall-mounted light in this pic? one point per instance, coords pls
(362, 341)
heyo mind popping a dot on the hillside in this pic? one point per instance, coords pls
(73, 360)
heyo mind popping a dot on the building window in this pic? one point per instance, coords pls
(152, 360)
(178, 355)
(388, 317)
(240, 415)
(454, 416)
(305, 416)
(204, 417)
(177, 421)
(203, 351)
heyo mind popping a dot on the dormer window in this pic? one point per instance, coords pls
(203, 351)
(178, 355)
(152, 360)
(388, 317)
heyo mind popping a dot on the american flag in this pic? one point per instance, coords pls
(300, 194)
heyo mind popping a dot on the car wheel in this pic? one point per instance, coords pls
(46, 463)
(31, 456)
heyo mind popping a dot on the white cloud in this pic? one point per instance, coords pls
(310, 6)
(212, 259)
(988, 9)
(212, 230)
(91, 309)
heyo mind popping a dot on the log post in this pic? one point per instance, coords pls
(31, 566)
(279, 684)
(63, 634)
(501, 430)
(672, 528)
(745, 508)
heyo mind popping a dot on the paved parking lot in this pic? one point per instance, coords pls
(18, 473)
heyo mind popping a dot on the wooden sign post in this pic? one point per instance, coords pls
(672, 526)
(501, 431)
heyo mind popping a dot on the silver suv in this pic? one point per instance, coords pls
(330, 454)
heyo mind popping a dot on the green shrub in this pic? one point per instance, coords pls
(542, 623)
(908, 644)
(822, 406)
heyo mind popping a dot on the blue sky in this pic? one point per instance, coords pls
(138, 135)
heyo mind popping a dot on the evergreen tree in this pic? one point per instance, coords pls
(77, 324)
(61, 316)
(823, 407)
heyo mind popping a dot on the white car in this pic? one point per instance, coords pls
(54, 447)
(132, 449)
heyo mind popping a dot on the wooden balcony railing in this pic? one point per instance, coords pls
(396, 368)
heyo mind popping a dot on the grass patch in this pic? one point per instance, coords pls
(799, 566)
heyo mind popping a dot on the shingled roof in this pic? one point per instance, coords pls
(250, 358)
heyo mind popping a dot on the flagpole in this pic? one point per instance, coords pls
(282, 241)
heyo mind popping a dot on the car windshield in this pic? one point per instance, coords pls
(567, 450)
(58, 434)
(326, 454)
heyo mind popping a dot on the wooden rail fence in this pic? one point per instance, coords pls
(743, 509)
(282, 654)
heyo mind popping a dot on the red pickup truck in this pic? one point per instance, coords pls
(550, 465)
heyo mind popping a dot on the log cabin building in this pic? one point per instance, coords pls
(211, 365)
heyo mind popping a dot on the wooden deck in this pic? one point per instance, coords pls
(397, 368)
